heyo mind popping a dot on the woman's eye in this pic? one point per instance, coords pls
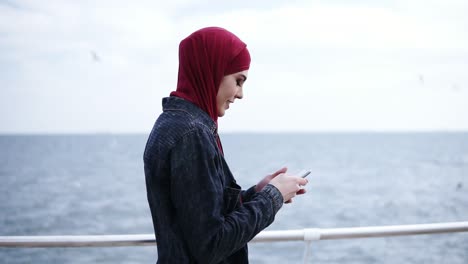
(238, 82)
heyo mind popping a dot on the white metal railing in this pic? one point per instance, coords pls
(308, 235)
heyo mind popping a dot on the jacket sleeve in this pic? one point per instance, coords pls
(197, 194)
(248, 194)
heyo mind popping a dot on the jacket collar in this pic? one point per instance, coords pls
(174, 103)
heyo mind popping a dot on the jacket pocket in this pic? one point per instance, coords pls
(231, 197)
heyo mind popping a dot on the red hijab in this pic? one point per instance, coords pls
(205, 57)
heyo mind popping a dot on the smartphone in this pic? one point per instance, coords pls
(305, 174)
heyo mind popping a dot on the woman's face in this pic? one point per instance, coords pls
(230, 89)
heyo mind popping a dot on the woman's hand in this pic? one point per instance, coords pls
(268, 178)
(289, 186)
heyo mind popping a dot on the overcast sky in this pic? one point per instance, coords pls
(103, 66)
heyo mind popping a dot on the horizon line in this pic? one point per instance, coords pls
(58, 133)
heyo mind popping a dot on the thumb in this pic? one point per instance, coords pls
(278, 172)
(302, 181)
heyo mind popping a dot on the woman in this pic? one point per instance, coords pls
(200, 214)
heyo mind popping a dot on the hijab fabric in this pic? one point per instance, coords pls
(205, 57)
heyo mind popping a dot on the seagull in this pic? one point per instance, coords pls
(455, 87)
(94, 56)
(421, 79)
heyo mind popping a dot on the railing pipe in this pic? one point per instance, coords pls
(309, 234)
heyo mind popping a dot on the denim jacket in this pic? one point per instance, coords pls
(200, 214)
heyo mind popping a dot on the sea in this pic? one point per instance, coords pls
(94, 184)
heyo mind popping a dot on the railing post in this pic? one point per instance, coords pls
(309, 235)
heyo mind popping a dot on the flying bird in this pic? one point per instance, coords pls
(455, 87)
(421, 79)
(94, 56)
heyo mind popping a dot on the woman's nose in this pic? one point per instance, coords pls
(239, 93)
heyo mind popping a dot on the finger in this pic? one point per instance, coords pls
(301, 191)
(288, 201)
(268, 178)
(280, 171)
(301, 181)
